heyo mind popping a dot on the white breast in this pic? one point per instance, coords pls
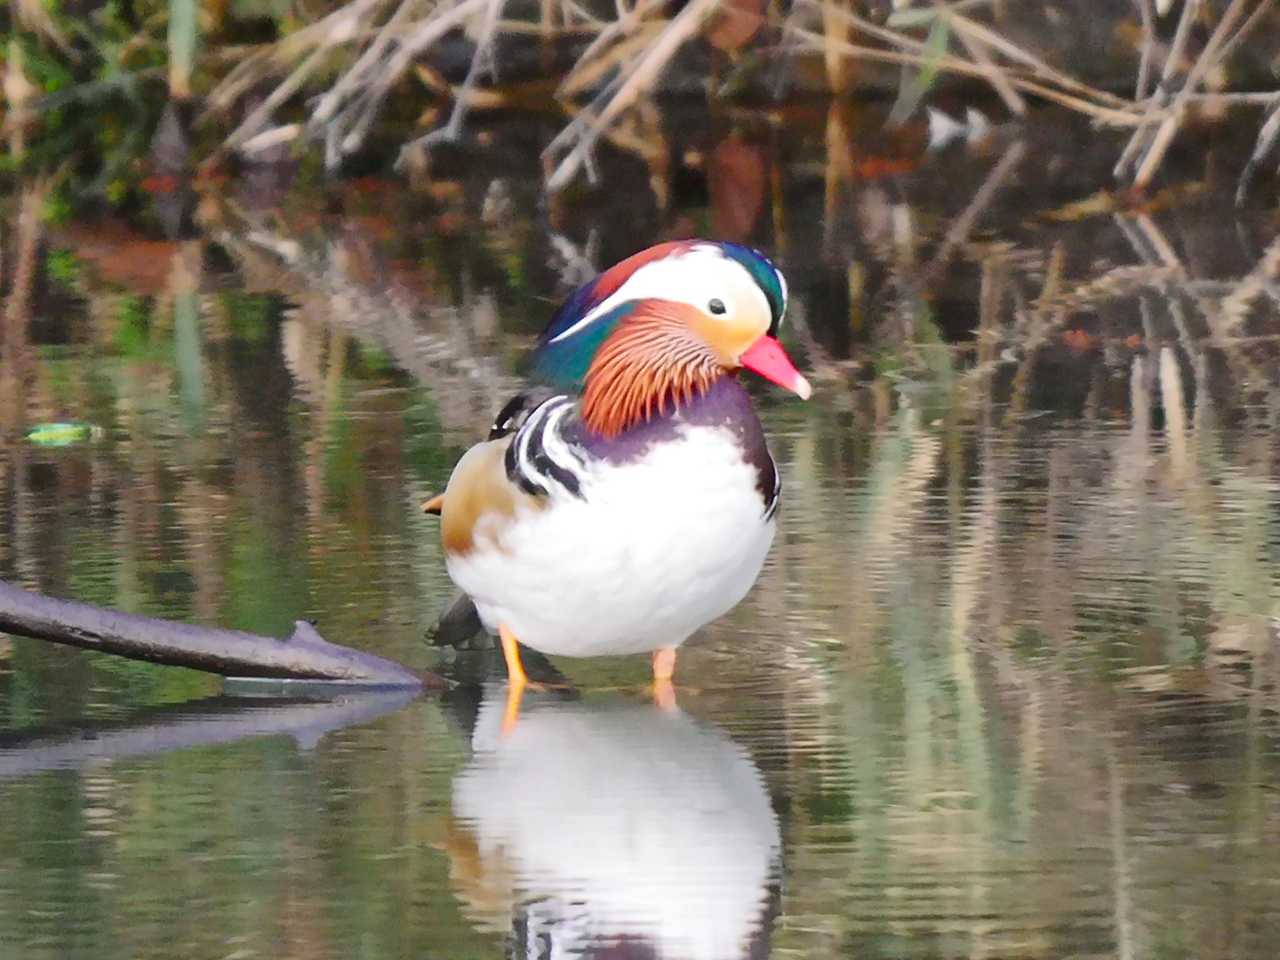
(654, 549)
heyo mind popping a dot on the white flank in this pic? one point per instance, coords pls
(656, 549)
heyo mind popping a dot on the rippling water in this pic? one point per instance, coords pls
(1006, 687)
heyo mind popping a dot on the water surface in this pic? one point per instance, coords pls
(1006, 687)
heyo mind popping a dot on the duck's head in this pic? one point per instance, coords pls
(662, 326)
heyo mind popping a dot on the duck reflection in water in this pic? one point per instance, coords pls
(613, 829)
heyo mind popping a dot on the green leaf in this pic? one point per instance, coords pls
(936, 45)
(901, 19)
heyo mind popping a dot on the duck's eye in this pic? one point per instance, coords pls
(716, 306)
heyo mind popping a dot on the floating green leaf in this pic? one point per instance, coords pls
(62, 434)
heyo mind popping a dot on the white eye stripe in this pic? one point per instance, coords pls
(696, 276)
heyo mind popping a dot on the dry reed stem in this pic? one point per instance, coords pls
(1142, 136)
(1236, 304)
(33, 15)
(991, 39)
(628, 20)
(345, 132)
(1106, 115)
(271, 137)
(1266, 140)
(1148, 50)
(1038, 67)
(1173, 398)
(329, 103)
(482, 60)
(960, 228)
(587, 74)
(1208, 58)
(639, 48)
(1229, 47)
(334, 30)
(261, 115)
(978, 50)
(640, 78)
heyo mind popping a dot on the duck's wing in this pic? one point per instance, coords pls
(509, 418)
(528, 464)
(525, 463)
(526, 444)
(514, 413)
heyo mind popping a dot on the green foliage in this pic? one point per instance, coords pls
(133, 332)
(264, 583)
(45, 69)
(343, 473)
(424, 447)
(64, 268)
(251, 316)
(148, 684)
(58, 208)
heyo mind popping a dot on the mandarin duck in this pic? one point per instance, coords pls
(622, 515)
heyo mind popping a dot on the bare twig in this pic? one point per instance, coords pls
(1208, 58)
(1148, 49)
(481, 61)
(963, 224)
(1114, 116)
(1142, 136)
(332, 100)
(261, 116)
(999, 80)
(639, 78)
(1266, 140)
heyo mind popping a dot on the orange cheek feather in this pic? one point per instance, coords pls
(654, 358)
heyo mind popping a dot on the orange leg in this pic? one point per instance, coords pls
(516, 679)
(664, 667)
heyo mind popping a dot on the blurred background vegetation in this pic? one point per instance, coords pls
(1010, 676)
(366, 82)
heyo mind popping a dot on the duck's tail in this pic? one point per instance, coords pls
(459, 626)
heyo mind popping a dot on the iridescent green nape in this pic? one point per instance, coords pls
(765, 274)
(564, 363)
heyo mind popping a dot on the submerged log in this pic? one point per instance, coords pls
(303, 655)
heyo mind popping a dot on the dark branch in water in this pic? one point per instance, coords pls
(203, 723)
(303, 655)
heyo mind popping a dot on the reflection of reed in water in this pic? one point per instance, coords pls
(614, 829)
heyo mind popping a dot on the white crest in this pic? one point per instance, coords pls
(695, 276)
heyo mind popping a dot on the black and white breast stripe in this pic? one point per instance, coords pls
(773, 494)
(539, 459)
